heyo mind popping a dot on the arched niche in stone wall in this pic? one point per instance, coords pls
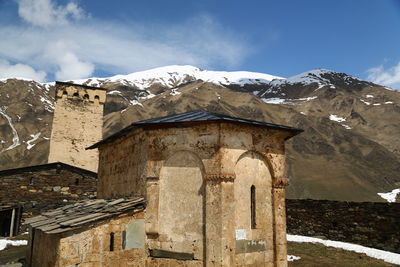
(253, 202)
(181, 204)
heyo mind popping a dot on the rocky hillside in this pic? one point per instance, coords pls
(349, 150)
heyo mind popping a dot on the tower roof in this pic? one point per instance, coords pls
(197, 116)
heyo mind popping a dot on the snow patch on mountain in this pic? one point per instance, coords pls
(273, 100)
(277, 100)
(48, 105)
(365, 102)
(34, 138)
(15, 140)
(333, 117)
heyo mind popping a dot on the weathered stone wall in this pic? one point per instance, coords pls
(77, 124)
(40, 190)
(366, 223)
(89, 246)
(122, 167)
(202, 160)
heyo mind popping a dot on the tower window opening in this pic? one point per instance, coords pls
(111, 241)
(253, 207)
(86, 96)
(76, 94)
(65, 92)
(96, 97)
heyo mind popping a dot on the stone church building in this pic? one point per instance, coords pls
(192, 189)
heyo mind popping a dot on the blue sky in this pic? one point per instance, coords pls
(49, 39)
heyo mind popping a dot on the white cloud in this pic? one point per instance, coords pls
(69, 65)
(389, 76)
(21, 71)
(45, 13)
(75, 49)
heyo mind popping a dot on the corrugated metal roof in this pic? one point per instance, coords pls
(193, 116)
(76, 215)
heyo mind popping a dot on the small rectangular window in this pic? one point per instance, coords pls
(253, 207)
(123, 240)
(111, 241)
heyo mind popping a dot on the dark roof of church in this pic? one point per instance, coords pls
(74, 216)
(193, 116)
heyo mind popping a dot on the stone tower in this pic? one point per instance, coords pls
(77, 124)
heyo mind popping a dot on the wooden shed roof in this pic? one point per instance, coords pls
(76, 215)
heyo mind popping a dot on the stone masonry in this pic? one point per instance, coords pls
(77, 124)
(370, 224)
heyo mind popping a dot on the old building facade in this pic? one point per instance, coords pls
(77, 124)
(214, 186)
(89, 233)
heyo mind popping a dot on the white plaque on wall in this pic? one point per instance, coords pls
(241, 234)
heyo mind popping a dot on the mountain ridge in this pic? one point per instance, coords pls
(350, 128)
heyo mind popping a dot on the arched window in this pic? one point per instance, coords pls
(253, 207)
(77, 181)
(96, 97)
(65, 92)
(111, 241)
(76, 94)
(86, 96)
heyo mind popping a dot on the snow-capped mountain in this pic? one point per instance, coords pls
(175, 75)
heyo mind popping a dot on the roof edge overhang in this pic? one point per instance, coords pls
(291, 130)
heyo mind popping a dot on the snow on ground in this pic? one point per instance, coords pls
(333, 117)
(390, 257)
(389, 102)
(15, 139)
(293, 258)
(369, 96)
(29, 142)
(4, 243)
(346, 126)
(390, 196)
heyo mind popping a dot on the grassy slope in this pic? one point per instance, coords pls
(318, 255)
